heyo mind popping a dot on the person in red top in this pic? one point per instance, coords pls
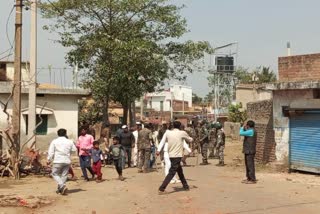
(84, 145)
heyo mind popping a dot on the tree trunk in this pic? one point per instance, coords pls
(134, 113)
(125, 113)
(105, 115)
(1, 145)
(130, 115)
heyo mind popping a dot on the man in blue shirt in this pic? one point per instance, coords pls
(249, 150)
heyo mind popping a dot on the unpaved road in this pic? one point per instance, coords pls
(214, 190)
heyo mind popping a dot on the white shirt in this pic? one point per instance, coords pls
(135, 134)
(175, 142)
(165, 147)
(155, 138)
(60, 150)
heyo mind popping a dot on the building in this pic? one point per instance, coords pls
(161, 101)
(247, 93)
(56, 107)
(296, 112)
(7, 71)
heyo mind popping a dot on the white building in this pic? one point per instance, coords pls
(60, 106)
(161, 101)
(7, 71)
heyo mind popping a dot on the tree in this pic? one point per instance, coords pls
(236, 115)
(265, 75)
(260, 75)
(243, 75)
(127, 48)
(196, 99)
(90, 112)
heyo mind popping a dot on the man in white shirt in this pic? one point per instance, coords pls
(175, 139)
(164, 145)
(60, 155)
(135, 149)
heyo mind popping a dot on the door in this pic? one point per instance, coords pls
(304, 145)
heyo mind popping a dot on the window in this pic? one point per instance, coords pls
(316, 93)
(161, 105)
(42, 129)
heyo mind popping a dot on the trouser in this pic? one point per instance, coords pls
(175, 168)
(60, 173)
(85, 163)
(96, 167)
(71, 172)
(117, 164)
(144, 157)
(167, 165)
(250, 169)
(212, 149)
(134, 156)
(204, 151)
(152, 156)
(221, 153)
(128, 151)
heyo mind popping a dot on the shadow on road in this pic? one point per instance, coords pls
(71, 191)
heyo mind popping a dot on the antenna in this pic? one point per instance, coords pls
(288, 49)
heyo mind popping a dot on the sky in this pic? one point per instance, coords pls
(261, 29)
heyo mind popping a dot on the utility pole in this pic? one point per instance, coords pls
(182, 103)
(171, 109)
(33, 76)
(16, 112)
(141, 108)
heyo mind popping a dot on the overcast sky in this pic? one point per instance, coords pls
(261, 28)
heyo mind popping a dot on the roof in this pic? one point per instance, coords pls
(6, 88)
(313, 84)
(251, 86)
(9, 61)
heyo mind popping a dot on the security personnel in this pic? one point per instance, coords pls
(204, 142)
(212, 140)
(220, 144)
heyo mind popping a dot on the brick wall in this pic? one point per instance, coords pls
(261, 113)
(299, 68)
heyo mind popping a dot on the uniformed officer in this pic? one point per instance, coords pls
(204, 142)
(145, 141)
(212, 140)
(220, 144)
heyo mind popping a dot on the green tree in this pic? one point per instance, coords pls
(196, 99)
(259, 75)
(243, 75)
(126, 47)
(236, 115)
(265, 75)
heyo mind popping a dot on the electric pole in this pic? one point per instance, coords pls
(16, 111)
(33, 77)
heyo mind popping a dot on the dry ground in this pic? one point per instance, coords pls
(213, 190)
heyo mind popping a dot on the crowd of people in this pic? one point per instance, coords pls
(144, 146)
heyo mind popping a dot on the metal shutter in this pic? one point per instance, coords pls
(304, 145)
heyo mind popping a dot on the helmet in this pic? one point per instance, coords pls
(218, 125)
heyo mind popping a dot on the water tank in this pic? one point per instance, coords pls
(225, 64)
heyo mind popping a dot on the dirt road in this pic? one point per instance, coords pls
(213, 190)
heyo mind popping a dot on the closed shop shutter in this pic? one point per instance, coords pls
(304, 148)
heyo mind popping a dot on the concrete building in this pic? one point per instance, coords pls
(247, 93)
(7, 71)
(161, 101)
(60, 111)
(296, 112)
